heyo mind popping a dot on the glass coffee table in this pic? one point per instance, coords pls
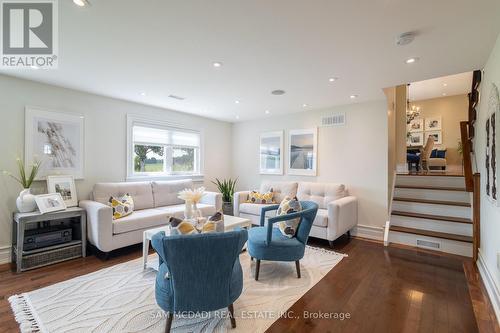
(230, 223)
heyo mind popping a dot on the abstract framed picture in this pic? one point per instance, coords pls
(437, 135)
(416, 139)
(57, 139)
(271, 153)
(416, 125)
(51, 202)
(65, 186)
(433, 124)
(302, 152)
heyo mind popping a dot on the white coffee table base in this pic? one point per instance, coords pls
(230, 223)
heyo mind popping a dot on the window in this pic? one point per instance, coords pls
(162, 151)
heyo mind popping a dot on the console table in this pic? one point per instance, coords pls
(30, 259)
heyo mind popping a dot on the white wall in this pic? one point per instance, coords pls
(355, 154)
(105, 137)
(490, 212)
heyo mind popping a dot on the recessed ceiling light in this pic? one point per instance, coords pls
(237, 102)
(305, 105)
(444, 94)
(445, 84)
(81, 3)
(143, 94)
(237, 117)
(267, 112)
(353, 96)
(333, 79)
(217, 64)
(411, 60)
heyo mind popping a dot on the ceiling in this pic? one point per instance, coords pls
(143, 51)
(450, 85)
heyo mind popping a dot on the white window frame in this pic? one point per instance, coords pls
(161, 124)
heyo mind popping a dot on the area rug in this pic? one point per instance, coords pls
(121, 299)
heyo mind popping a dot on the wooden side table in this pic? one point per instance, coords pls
(26, 260)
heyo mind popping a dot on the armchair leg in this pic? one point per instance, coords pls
(170, 317)
(231, 315)
(297, 265)
(257, 268)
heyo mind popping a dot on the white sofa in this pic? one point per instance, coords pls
(337, 213)
(154, 203)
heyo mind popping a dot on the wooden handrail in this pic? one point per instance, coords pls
(466, 151)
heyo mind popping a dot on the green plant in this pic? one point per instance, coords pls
(24, 179)
(460, 148)
(226, 187)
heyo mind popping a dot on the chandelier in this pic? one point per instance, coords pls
(412, 112)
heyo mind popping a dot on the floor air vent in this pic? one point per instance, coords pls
(431, 245)
(336, 119)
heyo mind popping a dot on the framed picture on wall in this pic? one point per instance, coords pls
(65, 186)
(416, 139)
(302, 152)
(437, 135)
(271, 153)
(492, 147)
(57, 139)
(433, 124)
(416, 125)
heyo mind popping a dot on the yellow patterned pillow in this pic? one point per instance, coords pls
(121, 206)
(261, 198)
(289, 205)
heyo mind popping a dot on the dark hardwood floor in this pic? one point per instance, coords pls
(381, 289)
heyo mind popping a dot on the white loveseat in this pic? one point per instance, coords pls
(337, 213)
(154, 203)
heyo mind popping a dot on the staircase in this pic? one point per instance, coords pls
(432, 212)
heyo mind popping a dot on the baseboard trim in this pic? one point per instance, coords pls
(491, 285)
(369, 231)
(5, 255)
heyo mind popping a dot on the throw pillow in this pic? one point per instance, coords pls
(181, 227)
(261, 198)
(287, 206)
(121, 206)
(214, 224)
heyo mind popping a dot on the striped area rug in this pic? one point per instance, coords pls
(121, 299)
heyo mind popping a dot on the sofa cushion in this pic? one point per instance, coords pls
(320, 193)
(280, 189)
(321, 219)
(178, 210)
(140, 191)
(140, 219)
(165, 193)
(255, 209)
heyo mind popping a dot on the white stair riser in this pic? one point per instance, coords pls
(432, 194)
(458, 182)
(448, 246)
(433, 225)
(424, 208)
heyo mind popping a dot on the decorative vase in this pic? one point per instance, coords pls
(227, 208)
(25, 202)
(196, 212)
(188, 210)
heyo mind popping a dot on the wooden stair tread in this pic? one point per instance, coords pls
(429, 233)
(434, 202)
(433, 217)
(437, 188)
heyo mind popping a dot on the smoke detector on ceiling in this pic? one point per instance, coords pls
(405, 38)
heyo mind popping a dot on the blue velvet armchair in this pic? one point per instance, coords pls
(268, 243)
(199, 272)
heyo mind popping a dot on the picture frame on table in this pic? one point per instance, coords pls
(303, 152)
(51, 202)
(57, 140)
(65, 186)
(271, 153)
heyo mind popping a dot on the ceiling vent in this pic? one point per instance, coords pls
(336, 119)
(176, 97)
